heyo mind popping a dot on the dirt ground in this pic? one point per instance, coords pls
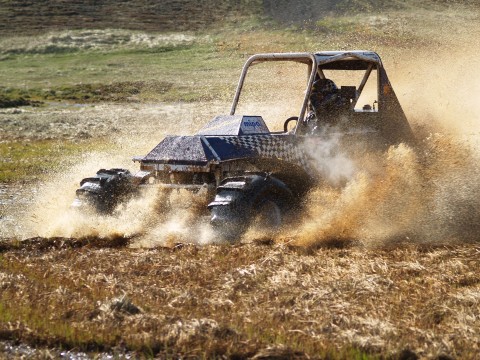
(251, 299)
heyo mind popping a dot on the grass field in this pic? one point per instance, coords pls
(338, 301)
(349, 286)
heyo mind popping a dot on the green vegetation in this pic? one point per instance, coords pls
(349, 6)
(86, 93)
(92, 66)
(10, 100)
(28, 160)
(86, 76)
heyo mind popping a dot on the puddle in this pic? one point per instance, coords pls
(8, 350)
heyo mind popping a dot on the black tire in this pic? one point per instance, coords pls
(259, 200)
(226, 223)
(269, 216)
(105, 191)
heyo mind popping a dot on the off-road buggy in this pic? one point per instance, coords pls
(258, 166)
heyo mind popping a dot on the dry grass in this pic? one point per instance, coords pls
(96, 295)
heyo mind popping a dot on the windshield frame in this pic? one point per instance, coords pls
(305, 58)
(317, 62)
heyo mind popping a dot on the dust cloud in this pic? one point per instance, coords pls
(155, 218)
(429, 195)
(439, 88)
(51, 214)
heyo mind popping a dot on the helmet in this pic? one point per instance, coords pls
(324, 86)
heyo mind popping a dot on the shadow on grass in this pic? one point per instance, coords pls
(57, 243)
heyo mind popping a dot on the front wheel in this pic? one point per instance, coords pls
(105, 191)
(257, 201)
(268, 217)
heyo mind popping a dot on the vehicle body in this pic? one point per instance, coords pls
(245, 168)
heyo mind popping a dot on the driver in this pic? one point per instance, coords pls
(326, 103)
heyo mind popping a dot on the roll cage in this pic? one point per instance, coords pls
(317, 64)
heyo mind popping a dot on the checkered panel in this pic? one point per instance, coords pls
(268, 146)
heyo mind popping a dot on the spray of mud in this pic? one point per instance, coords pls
(51, 214)
(427, 195)
(430, 194)
(156, 218)
(179, 218)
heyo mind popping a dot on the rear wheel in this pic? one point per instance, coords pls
(227, 223)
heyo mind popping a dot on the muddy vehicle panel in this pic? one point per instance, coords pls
(254, 165)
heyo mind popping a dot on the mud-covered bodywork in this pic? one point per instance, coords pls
(232, 144)
(200, 154)
(251, 165)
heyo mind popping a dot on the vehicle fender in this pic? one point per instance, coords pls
(105, 190)
(249, 191)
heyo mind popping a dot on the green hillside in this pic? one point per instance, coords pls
(34, 16)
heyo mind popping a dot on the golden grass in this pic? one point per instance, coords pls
(239, 300)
